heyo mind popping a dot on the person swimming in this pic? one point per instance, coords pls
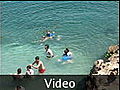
(67, 52)
(49, 35)
(66, 57)
(49, 53)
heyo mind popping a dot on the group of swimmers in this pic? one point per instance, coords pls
(67, 56)
(29, 71)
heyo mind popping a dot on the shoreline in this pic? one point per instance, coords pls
(105, 72)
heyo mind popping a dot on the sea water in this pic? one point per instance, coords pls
(87, 28)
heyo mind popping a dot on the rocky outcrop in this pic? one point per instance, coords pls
(105, 72)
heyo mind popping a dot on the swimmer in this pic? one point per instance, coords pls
(18, 75)
(66, 57)
(65, 53)
(68, 52)
(49, 35)
(29, 70)
(40, 66)
(49, 53)
(19, 71)
(44, 38)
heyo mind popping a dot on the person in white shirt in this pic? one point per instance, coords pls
(29, 70)
(49, 53)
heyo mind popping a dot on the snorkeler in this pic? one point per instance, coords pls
(40, 66)
(49, 35)
(49, 53)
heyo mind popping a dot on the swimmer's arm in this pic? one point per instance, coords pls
(64, 55)
(33, 63)
(36, 67)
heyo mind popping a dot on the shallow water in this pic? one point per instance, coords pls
(87, 28)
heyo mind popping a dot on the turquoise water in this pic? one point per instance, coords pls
(87, 28)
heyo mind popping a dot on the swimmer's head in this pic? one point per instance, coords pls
(37, 58)
(46, 46)
(19, 70)
(67, 49)
(28, 67)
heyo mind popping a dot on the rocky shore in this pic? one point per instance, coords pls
(105, 72)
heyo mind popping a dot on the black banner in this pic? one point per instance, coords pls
(59, 82)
